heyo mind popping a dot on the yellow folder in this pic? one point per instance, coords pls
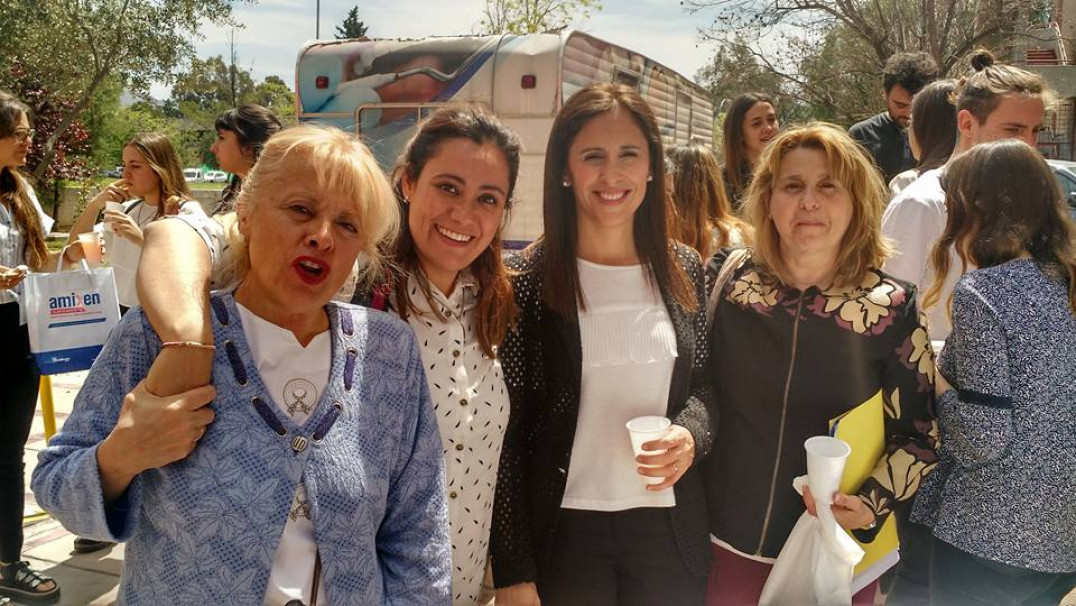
(863, 428)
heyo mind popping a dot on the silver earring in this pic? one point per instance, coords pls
(649, 178)
(406, 200)
(566, 183)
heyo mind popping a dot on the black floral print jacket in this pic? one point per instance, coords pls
(784, 363)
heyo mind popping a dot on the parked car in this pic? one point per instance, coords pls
(215, 176)
(193, 175)
(1065, 172)
(114, 173)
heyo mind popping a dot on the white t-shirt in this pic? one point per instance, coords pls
(629, 350)
(901, 181)
(914, 221)
(123, 255)
(295, 377)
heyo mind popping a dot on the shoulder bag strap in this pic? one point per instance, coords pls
(734, 261)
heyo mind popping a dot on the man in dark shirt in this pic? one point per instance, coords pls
(885, 135)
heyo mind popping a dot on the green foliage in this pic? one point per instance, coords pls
(210, 84)
(534, 16)
(352, 27)
(209, 88)
(828, 54)
(75, 46)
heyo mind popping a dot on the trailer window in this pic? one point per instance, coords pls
(623, 76)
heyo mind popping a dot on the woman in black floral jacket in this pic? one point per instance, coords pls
(805, 330)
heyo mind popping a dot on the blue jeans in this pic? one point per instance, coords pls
(960, 578)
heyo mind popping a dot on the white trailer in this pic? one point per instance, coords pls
(380, 90)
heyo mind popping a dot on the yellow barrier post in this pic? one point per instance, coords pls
(48, 413)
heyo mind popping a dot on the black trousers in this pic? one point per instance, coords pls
(622, 558)
(960, 578)
(18, 398)
(909, 583)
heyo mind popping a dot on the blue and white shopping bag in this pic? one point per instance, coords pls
(69, 315)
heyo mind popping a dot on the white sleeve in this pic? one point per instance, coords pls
(913, 226)
(46, 221)
(211, 232)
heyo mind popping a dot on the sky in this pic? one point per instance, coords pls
(274, 30)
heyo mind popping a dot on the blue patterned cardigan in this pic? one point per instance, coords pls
(205, 530)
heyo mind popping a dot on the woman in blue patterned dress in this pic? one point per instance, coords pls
(335, 489)
(1003, 500)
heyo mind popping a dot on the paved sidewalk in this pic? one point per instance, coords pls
(85, 579)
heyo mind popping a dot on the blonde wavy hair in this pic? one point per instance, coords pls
(863, 248)
(156, 149)
(335, 162)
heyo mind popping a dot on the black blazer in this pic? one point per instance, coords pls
(542, 360)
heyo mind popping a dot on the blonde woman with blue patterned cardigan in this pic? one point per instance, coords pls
(336, 496)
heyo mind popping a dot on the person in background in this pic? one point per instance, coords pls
(932, 134)
(241, 134)
(1002, 503)
(610, 328)
(152, 187)
(806, 329)
(885, 135)
(702, 217)
(23, 228)
(750, 124)
(994, 102)
(317, 473)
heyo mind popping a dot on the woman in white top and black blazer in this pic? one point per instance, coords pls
(608, 308)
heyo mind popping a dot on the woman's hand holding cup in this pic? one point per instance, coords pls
(124, 226)
(849, 511)
(671, 450)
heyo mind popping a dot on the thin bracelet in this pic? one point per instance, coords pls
(191, 344)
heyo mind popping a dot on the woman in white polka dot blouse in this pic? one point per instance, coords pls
(454, 183)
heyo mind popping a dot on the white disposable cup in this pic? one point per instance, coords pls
(91, 247)
(116, 206)
(646, 429)
(826, 457)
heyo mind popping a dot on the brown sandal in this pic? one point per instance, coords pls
(19, 581)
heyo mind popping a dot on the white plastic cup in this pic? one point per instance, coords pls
(91, 246)
(116, 206)
(646, 429)
(826, 457)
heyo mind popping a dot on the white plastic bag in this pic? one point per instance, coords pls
(815, 565)
(69, 315)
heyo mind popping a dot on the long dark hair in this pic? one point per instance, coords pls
(699, 201)
(736, 164)
(1003, 201)
(934, 124)
(13, 188)
(495, 311)
(560, 279)
(252, 124)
